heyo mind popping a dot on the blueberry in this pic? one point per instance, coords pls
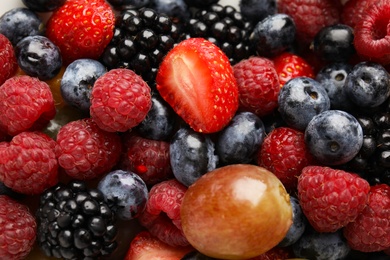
(43, 5)
(332, 77)
(273, 35)
(176, 9)
(257, 10)
(191, 155)
(38, 57)
(132, 3)
(334, 137)
(19, 23)
(367, 85)
(241, 139)
(78, 80)
(321, 246)
(125, 192)
(159, 122)
(300, 99)
(334, 43)
(298, 226)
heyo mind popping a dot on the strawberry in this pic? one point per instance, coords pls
(331, 198)
(370, 231)
(196, 79)
(146, 246)
(81, 28)
(289, 65)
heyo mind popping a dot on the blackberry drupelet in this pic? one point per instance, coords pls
(74, 222)
(141, 39)
(224, 26)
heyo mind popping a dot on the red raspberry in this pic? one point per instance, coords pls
(162, 213)
(120, 100)
(370, 231)
(28, 163)
(258, 85)
(353, 11)
(310, 16)
(26, 103)
(85, 151)
(289, 66)
(148, 158)
(8, 63)
(372, 36)
(285, 154)
(331, 198)
(17, 229)
(275, 253)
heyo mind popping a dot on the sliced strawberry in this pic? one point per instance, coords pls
(196, 79)
(145, 246)
(289, 65)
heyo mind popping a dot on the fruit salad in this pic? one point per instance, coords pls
(195, 129)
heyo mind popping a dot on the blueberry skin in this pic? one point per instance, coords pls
(38, 57)
(332, 77)
(241, 139)
(125, 192)
(43, 5)
(334, 137)
(257, 10)
(334, 43)
(78, 80)
(132, 3)
(159, 123)
(191, 155)
(19, 23)
(273, 35)
(321, 246)
(368, 84)
(173, 8)
(300, 99)
(298, 226)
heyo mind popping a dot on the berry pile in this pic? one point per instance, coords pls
(179, 129)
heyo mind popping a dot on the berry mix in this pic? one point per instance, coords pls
(195, 129)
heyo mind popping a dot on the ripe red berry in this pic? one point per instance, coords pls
(85, 151)
(258, 85)
(275, 253)
(310, 16)
(353, 11)
(8, 63)
(81, 28)
(18, 229)
(331, 198)
(120, 100)
(28, 163)
(26, 103)
(162, 213)
(285, 154)
(370, 230)
(372, 37)
(146, 157)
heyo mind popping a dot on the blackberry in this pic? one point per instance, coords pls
(224, 26)
(142, 37)
(74, 222)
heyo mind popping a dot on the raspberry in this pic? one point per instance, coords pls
(162, 213)
(148, 158)
(331, 198)
(258, 85)
(8, 63)
(353, 11)
(285, 154)
(17, 229)
(310, 16)
(85, 151)
(372, 37)
(275, 253)
(28, 164)
(26, 103)
(120, 100)
(370, 231)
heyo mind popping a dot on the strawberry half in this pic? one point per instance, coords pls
(81, 28)
(196, 79)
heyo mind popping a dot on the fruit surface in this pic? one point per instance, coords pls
(196, 79)
(253, 205)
